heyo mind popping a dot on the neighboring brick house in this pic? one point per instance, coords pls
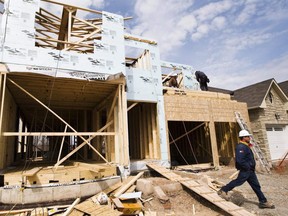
(267, 107)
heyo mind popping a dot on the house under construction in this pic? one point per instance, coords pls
(82, 91)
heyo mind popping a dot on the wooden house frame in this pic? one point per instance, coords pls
(86, 86)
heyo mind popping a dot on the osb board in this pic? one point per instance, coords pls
(194, 108)
(91, 208)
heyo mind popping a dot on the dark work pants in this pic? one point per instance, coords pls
(252, 179)
(203, 86)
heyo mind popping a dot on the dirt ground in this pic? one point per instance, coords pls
(182, 202)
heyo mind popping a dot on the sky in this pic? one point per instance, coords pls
(235, 42)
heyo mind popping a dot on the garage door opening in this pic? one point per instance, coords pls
(277, 140)
(189, 143)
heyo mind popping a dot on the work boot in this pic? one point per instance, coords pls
(266, 205)
(223, 194)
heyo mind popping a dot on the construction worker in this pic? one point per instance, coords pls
(245, 163)
(173, 80)
(202, 79)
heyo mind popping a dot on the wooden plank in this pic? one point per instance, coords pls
(213, 197)
(213, 139)
(3, 87)
(128, 185)
(32, 172)
(90, 208)
(76, 212)
(59, 134)
(67, 5)
(125, 135)
(206, 192)
(82, 144)
(155, 138)
(70, 208)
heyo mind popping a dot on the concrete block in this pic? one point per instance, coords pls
(66, 192)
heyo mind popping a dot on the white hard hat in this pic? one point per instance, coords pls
(244, 133)
(174, 74)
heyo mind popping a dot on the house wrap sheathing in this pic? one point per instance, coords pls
(76, 87)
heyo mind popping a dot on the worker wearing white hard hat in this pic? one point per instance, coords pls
(244, 133)
(245, 163)
(173, 80)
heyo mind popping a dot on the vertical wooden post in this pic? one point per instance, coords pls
(214, 143)
(85, 148)
(2, 90)
(118, 128)
(69, 27)
(61, 147)
(149, 126)
(145, 132)
(125, 126)
(155, 138)
(97, 142)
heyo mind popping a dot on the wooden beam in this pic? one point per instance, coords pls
(214, 143)
(149, 126)
(61, 147)
(52, 16)
(155, 138)
(59, 133)
(81, 145)
(43, 19)
(86, 22)
(31, 172)
(113, 104)
(129, 37)
(131, 106)
(65, 42)
(64, 27)
(70, 208)
(127, 185)
(83, 39)
(187, 133)
(125, 135)
(2, 90)
(67, 5)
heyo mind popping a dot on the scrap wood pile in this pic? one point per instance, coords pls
(119, 199)
(124, 198)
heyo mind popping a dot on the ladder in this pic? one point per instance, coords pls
(255, 147)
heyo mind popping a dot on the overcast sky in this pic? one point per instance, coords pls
(235, 42)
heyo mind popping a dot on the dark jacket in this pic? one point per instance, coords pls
(201, 77)
(244, 157)
(173, 82)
